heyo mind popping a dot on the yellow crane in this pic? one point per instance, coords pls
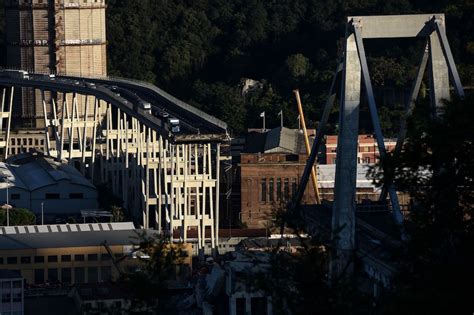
(314, 177)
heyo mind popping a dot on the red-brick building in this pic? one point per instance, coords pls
(367, 151)
(271, 167)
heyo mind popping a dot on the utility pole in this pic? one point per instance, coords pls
(262, 115)
(42, 213)
(6, 206)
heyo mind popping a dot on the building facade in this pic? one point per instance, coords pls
(12, 292)
(54, 36)
(44, 186)
(67, 254)
(271, 166)
(271, 172)
(367, 149)
(268, 181)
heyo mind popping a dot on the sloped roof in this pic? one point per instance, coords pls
(34, 171)
(277, 140)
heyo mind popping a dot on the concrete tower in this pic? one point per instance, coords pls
(54, 36)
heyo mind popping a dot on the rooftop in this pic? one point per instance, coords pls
(31, 171)
(69, 235)
(279, 139)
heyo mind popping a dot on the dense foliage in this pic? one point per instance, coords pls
(18, 216)
(437, 169)
(200, 50)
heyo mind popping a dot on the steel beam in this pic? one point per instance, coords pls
(319, 137)
(375, 118)
(395, 26)
(409, 110)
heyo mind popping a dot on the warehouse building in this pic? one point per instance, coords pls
(39, 183)
(68, 254)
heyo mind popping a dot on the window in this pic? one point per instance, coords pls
(258, 305)
(53, 274)
(92, 257)
(16, 284)
(79, 257)
(6, 285)
(292, 158)
(53, 258)
(79, 275)
(93, 276)
(1, 260)
(76, 196)
(104, 257)
(240, 308)
(6, 297)
(39, 259)
(66, 275)
(294, 186)
(106, 273)
(278, 189)
(25, 260)
(263, 192)
(118, 304)
(286, 189)
(52, 196)
(65, 258)
(271, 190)
(87, 306)
(12, 260)
(15, 196)
(16, 297)
(39, 276)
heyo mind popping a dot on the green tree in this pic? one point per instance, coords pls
(436, 168)
(160, 259)
(18, 216)
(298, 65)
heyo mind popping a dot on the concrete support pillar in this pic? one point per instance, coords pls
(343, 220)
(439, 75)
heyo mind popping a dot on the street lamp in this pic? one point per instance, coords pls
(42, 212)
(6, 206)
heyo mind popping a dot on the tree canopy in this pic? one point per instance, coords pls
(200, 50)
(18, 216)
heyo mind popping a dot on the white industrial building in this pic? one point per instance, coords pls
(36, 182)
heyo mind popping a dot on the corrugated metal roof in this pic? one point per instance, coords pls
(32, 172)
(327, 176)
(58, 236)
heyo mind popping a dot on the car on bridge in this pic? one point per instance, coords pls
(16, 74)
(133, 98)
(174, 124)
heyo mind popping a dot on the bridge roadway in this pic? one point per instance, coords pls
(375, 238)
(195, 125)
(194, 120)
